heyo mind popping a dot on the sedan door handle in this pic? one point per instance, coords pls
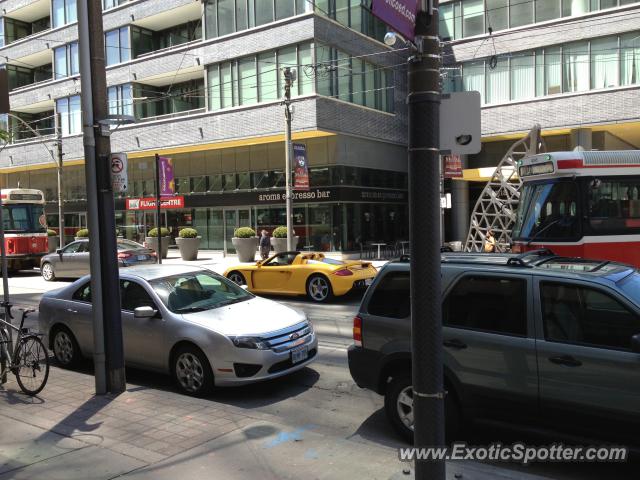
(71, 310)
(455, 343)
(567, 360)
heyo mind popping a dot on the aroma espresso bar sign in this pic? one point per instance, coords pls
(310, 195)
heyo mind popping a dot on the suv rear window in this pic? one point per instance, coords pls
(490, 304)
(391, 296)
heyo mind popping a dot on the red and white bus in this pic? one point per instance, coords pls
(581, 204)
(25, 227)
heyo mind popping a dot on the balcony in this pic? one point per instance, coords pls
(153, 101)
(41, 119)
(24, 22)
(20, 76)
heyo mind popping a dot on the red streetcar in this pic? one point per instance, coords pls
(25, 227)
(581, 204)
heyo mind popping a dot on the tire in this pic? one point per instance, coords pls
(398, 405)
(32, 365)
(191, 371)
(65, 347)
(319, 288)
(237, 278)
(47, 272)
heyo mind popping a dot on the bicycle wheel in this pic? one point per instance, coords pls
(31, 365)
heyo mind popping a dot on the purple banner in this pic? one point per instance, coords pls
(398, 14)
(167, 182)
(301, 171)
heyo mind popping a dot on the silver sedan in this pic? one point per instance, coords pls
(72, 261)
(186, 321)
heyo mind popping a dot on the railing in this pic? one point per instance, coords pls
(184, 113)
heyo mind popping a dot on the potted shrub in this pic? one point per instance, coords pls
(245, 242)
(279, 239)
(54, 241)
(152, 240)
(82, 233)
(188, 242)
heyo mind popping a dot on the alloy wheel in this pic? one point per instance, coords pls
(63, 347)
(190, 372)
(237, 278)
(318, 289)
(404, 405)
(47, 272)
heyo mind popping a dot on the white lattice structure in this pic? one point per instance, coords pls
(497, 204)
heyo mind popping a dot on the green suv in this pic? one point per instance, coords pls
(531, 338)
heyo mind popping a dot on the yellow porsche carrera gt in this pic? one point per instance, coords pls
(300, 273)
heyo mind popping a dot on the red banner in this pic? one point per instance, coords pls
(150, 203)
(452, 166)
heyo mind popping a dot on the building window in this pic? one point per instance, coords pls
(473, 17)
(63, 12)
(120, 99)
(498, 82)
(523, 77)
(630, 59)
(66, 61)
(604, 63)
(575, 67)
(223, 17)
(497, 14)
(547, 9)
(257, 78)
(117, 46)
(107, 4)
(70, 115)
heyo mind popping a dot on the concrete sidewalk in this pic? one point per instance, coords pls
(68, 433)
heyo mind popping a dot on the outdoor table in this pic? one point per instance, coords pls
(379, 245)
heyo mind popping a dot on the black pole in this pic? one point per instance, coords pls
(158, 225)
(105, 282)
(424, 225)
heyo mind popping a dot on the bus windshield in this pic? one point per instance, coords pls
(547, 211)
(27, 218)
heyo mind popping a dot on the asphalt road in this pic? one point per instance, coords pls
(326, 394)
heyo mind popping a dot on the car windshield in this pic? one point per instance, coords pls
(197, 291)
(547, 211)
(27, 218)
(631, 286)
(129, 245)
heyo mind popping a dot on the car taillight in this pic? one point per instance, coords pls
(357, 331)
(343, 273)
(124, 255)
(11, 247)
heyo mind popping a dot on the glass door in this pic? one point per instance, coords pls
(216, 230)
(239, 217)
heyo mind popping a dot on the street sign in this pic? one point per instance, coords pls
(460, 130)
(119, 177)
(398, 14)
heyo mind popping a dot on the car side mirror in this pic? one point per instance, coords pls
(635, 343)
(144, 312)
(59, 251)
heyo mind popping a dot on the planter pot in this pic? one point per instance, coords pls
(188, 247)
(246, 248)
(280, 244)
(152, 243)
(54, 243)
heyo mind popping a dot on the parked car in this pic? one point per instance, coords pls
(72, 261)
(296, 273)
(535, 338)
(186, 321)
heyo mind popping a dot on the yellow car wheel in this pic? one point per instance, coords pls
(319, 288)
(237, 277)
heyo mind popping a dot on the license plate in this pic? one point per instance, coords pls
(142, 257)
(299, 354)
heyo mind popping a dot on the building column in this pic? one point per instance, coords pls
(581, 137)
(460, 214)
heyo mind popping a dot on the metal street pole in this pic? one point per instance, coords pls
(105, 286)
(59, 168)
(424, 226)
(288, 155)
(158, 224)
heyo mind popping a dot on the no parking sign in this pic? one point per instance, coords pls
(119, 178)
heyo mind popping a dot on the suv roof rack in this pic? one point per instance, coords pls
(518, 260)
(510, 260)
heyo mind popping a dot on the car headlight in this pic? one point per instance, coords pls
(249, 342)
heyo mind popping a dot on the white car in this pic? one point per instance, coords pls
(186, 321)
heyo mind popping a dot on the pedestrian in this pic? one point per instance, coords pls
(265, 245)
(490, 242)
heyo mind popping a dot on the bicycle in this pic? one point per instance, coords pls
(29, 361)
